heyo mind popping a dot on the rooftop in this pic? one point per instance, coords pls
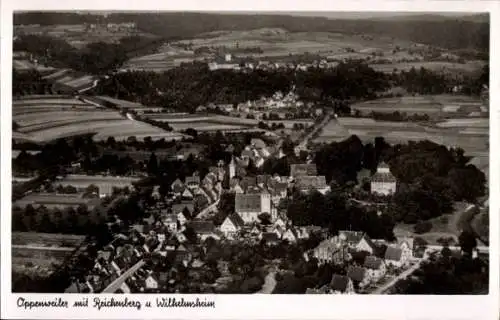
(247, 202)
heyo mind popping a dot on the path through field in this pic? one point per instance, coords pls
(269, 282)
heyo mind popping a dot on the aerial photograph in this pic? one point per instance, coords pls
(250, 152)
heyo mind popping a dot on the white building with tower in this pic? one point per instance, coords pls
(383, 181)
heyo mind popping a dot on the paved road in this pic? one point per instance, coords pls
(388, 285)
(269, 283)
(207, 210)
(115, 285)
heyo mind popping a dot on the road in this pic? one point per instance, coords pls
(115, 285)
(388, 285)
(302, 145)
(269, 283)
(207, 210)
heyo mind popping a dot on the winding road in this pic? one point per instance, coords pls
(269, 283)
(303, 144)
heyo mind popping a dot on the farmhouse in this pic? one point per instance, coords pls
(104, 183)
(224, 63)
(358, 240)
(397, 257)
(375, 267)
(358, 275)
(332, 250)
(310, 183)
(383, 181)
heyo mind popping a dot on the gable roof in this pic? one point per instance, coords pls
(303, 169)
(179, 207)
(356, 273)
(386, 177)
(372, 262)
(258, 143)
(351, 237)
(311, 182)
(393, 253)
(193, 180)
(236, 220)
(339, 283)
(247, 203)
(202, 226)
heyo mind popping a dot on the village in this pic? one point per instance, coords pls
(147, 257)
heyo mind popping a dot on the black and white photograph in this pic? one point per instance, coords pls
(207, 154)
(276, 153)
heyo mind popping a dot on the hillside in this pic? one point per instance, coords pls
(469, 32)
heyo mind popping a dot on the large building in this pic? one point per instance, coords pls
(383, 181)
(250, 206)
(303, 169)
(310, 183)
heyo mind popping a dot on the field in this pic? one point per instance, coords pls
(474, 143)
(441, 66)
(167, 57)
(70, 80)
(52, 201)
(24, 65)
(45, 118)
(30, 249)
(274, 42)
(441, 106)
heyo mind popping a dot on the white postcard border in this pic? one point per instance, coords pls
(259, 306)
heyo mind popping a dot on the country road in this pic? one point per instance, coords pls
(318, 126)
(115, 285)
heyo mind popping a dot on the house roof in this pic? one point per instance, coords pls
(352, 237)
(193, 180)
(263, 178)
(236, 220)
(270, 236)
(356, 273)
(247, 182)
(247, 202)
(372, 262)
(393, 253)
(202, 226)
(179, 207)
(303, 169)
(308, 182)
(339, 283)
(383, 177)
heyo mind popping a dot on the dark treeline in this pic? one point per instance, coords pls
(188, 87)
(452, 33)
(29, 82)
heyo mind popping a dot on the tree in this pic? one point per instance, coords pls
(265, 218)
(152, 164)
(467, 241)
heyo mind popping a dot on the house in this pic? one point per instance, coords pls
(280, 222)
(375, 267)
(193, 181)
(170, 221)
(186, 207)
(303, 169)
(270, 238)
(332, 250)
(358, 240)
(291, 235)
(359, 276)
(407, 245)
(249, 206)
(248, 183)
(183, 217)
(341, 284)
(383, 181)
(204, 229)
(151, 283)
(309, 183)
(231, 225)
(396, 257)
(177, 186)
(187, 194)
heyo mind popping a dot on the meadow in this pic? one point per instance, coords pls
(45, 118)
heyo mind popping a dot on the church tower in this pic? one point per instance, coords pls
(232, 168)
(265, 201)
